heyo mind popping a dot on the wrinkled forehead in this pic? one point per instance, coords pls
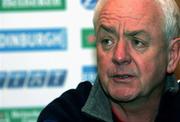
(131, 8)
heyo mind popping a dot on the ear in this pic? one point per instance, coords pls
(174, 55)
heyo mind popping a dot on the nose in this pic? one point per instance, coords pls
(121, 54)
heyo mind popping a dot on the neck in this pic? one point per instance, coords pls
(143, 109)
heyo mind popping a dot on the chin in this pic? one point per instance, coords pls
(123, 95)
(122, 99)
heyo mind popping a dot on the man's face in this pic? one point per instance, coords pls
(132, 55)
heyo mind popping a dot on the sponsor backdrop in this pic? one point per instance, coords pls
(46, 47)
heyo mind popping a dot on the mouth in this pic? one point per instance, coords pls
(122, 77)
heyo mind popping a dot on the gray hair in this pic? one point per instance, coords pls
(171, 15)
(172, 18)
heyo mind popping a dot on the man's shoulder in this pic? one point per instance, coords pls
(172, 99)
(68, 105)
(175, 98)
(81, 92)
(170, 107)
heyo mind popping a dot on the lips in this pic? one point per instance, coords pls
(122, 77)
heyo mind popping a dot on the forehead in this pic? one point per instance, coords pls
(133, 9)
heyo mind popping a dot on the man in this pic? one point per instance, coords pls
(137, 52)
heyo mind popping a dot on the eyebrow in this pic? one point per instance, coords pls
(127, 33)
(135, 33)
(138, 32)
(108, 29)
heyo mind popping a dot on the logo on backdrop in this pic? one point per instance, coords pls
(89, 73)
(88, 38)
(13, 5)
(33, 39)
(88, 4)
(19, 114)
(32, 79)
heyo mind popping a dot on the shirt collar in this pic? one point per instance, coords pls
(97, 104)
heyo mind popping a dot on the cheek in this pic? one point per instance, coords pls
(103, 59)
(152, 69)
(103, 64)
(148, 67)
(145, 69)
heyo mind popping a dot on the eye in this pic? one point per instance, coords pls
(106, 43)
(138, 43)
